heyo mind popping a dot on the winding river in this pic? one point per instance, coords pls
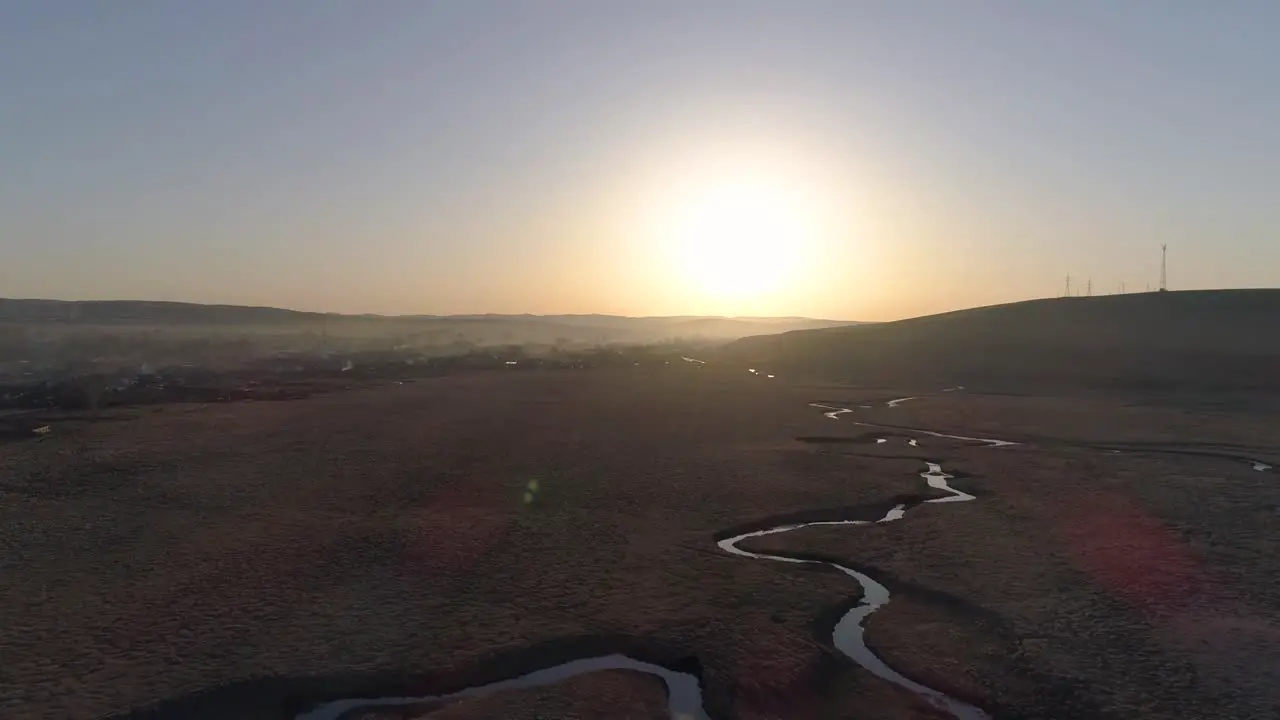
(849, 635)
(684, 690)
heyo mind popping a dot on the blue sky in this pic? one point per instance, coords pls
(479, 156)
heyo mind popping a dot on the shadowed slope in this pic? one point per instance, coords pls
(1221, 339)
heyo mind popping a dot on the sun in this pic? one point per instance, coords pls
(740, 238)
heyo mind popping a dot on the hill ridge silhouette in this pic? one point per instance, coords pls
(38, 309)
(1202, 338)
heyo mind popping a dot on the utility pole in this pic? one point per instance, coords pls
(1089, 288)
(1164, 279)
(1068, 294)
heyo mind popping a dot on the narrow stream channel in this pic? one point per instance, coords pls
(836, 412)
(848, 635)
(684, 692)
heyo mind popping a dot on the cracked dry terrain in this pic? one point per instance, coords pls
(247, 560)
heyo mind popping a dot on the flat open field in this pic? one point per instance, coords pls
(251, 560)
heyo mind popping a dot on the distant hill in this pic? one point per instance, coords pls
(506, 328)
(141, 311)
(1217, 338)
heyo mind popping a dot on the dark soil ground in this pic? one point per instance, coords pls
(248, 560)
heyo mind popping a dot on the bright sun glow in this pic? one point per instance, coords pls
(742, 239)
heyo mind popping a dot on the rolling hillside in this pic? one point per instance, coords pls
(501, 328)
(1222, 339)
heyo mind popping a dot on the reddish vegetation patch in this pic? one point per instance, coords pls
(178, 607)
(1131, 554)
(451, 533)
(777, 676)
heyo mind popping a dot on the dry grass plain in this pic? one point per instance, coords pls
(248, 560)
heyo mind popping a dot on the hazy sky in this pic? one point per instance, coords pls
(476, 156)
